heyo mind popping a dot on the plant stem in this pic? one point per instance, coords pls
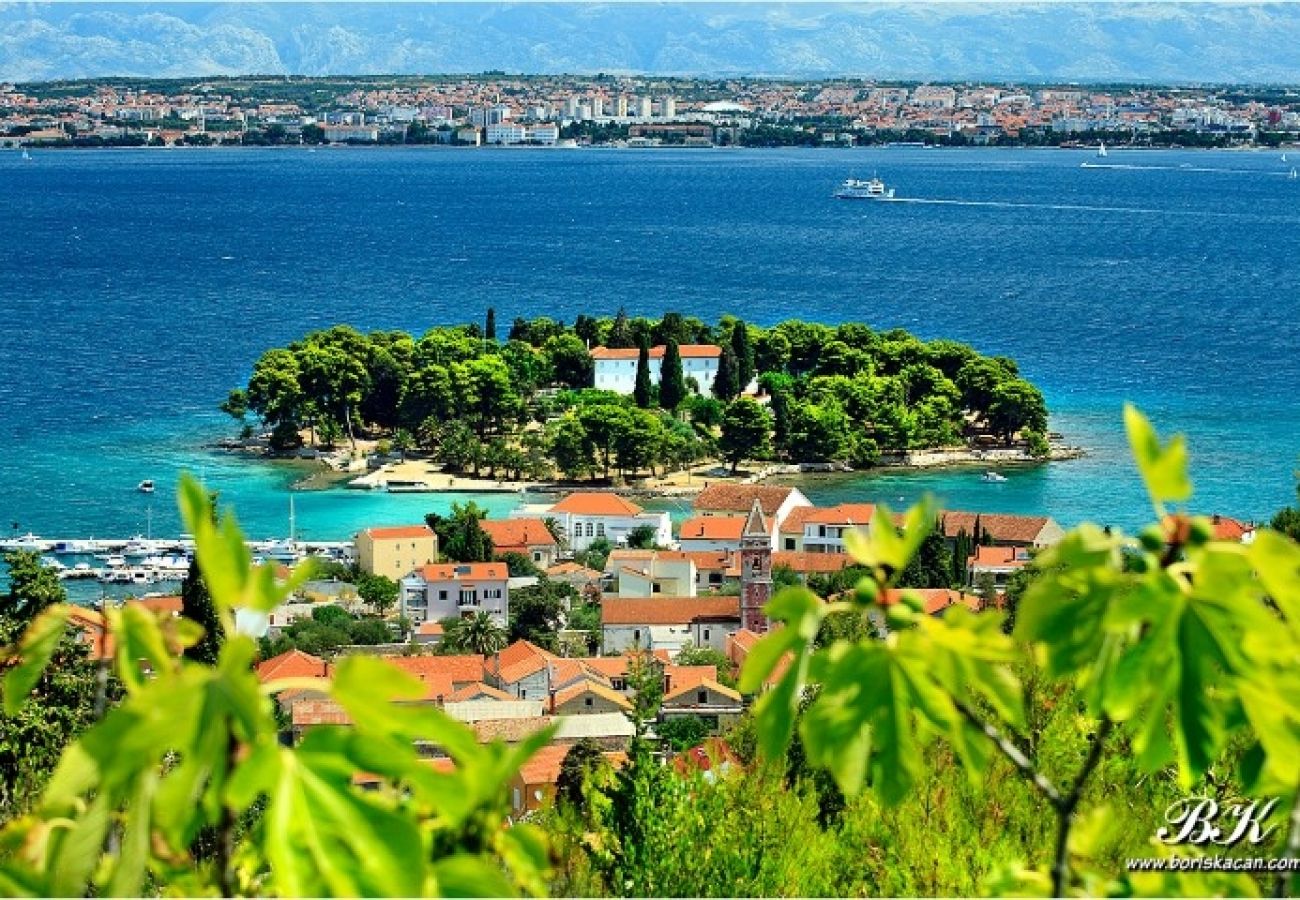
(1014, 754)
(225, 849)
(1283, 882)
(1065, 809)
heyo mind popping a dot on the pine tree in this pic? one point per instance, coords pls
(641, 392)
(620, 335)
(672, 383)
(726, 385)
(490, 327)
(744, 350)
(197, 606)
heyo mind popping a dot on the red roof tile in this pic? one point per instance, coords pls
(493, 571)
(686, 351)
(724, 497)
(808, 563)
(441, 673)
(666, 610)
(842, 514)
(292, 664)
(597, 503)
(517, 535)
(1224, 528)
(713, 528)
(793, 523)
(998, 526)
(399, 532)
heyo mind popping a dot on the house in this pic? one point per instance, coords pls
(717, 704)
(714, 569)
(575, 574)
(1002, 530)
(522, 670)
(292, 664)
(824, 529)
(727, 499)
(668, 623)
(586, 516)
(1000, 562)
(442, 676)
(615, 368)
(534, 785)
(430, 633)
(936, 600)
(790, 531)
(527, 537)
(394, 552)
(589, 696)
(704, 533)
(1178, 528)
(647, 573)
(448, 590)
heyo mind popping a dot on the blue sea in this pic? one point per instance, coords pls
(140, 285)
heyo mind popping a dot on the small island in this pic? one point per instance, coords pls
(630, 401)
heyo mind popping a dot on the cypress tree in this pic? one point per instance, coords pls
(641, 392)
(726, 385)
(490, 327)
(672, 383)
(744, 350)
(197, 606)
(620, 335)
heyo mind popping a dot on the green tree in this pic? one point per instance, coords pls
(726, 384)
(461, 537)
(604, 424)
(620, 335)
(490, 326)
(932, 566)
(578, 765)
(641, 537)
(571, 448)
(379, 591)
(197, 606)
(537, 612)
(645, 678)
(32, 588)
(1017, 405)
(641, 392)
(479, 634)
(274, 390)
(742, 348)
(570, 361)
(672, 383)
(746, 431)
(691, 655)
(681, 733)
(236, 405)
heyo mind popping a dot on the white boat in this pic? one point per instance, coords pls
(993, 477)
(145, 487)
(26, 155)
(1283, 157)
(1292, 176)
(30, 542)
(855, 189)
(50, 562)
(1101, 149)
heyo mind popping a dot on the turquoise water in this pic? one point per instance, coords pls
(139, 287)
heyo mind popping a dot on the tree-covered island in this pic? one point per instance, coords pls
(525, 405)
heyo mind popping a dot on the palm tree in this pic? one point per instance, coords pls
(479, 634)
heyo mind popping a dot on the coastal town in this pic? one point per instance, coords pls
(495, 109)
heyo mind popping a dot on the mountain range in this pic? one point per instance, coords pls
(1045, 41)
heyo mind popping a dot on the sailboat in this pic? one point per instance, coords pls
(1292, 176)
(1101, 149)
(1283, 157)
(26, 155)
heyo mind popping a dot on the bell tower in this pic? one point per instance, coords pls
(755, 570)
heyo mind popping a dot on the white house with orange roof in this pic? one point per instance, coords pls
(727, 499)
(586, 516)
(824, 529)
(448, 590)
(394, 552)
(615, 368)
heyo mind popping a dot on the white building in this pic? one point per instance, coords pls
(668, 623)
(777, 503)
(644, 108)
(448, 590)
(668, 107)
(711, 533)
(586, 516)
(824, 529)
(616, 368)
(505, 133)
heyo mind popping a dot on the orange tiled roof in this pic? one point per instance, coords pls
(808, 563)
(793, 523)
(713, 528)
(1225, 529)
(725, 561)
(518, 661)
(170, 604)
(666, 610)
(936, 599)
(707, 684)
(597, 503)
(998, 526)
(441, 673)
(398, 532)
(517, 534)
(543, 767)
(464, 571)
(842, 514)
(721, 497)
(686, 676)
(477, 690)
(572, 568)
(999, 556)
(292, 664)
(430, 628)
(687, 351)
(587, 686)
(307, 713)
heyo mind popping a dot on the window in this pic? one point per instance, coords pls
(523, 693)
(701, 697)
(589, 701)
(618, 684)
(655, 588)
(706, 634)
(442, 595)
(789, 543)
(636, 634)
(590, 531)
(600, 529)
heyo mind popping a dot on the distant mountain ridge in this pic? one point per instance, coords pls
(1048, 41)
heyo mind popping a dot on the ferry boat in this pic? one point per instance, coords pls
(855, 189)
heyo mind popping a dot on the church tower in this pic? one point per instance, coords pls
(755, 570)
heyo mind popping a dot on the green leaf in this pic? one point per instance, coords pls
(470, 876)
(77, 849)
(1163, 467)
(128, 874)
(35, 650)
